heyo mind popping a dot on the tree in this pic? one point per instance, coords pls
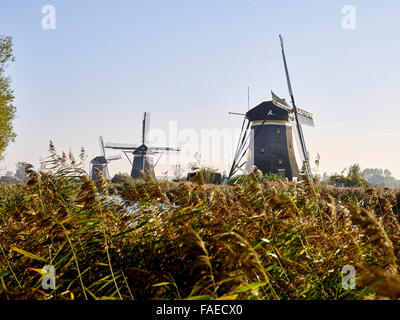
(355, 172)
(354, 178)
(381, 178)
(20, 173)
(7, 109)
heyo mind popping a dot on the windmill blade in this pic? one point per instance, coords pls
(145, 128)
(107, 173)
(296, 114)
(156, 149)
(250, 153)
(120, 146)
(237, 114)
(102, 150)
(247, 135)
(298, 143)
(112, 158)
(243, 137)
(305, 118)
(303, 151)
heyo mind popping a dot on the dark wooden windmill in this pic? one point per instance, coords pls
(101, 162)
(267, 138)
(142, 154)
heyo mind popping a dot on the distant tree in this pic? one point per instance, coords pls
(325, 177)
(20, 173)
(354, 178)
(372, 172)
(355, 173)
(9, 174)
(8, 179)
(381, 178)
(337, 180)
(7, 109)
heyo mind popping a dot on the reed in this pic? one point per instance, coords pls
(254, 238)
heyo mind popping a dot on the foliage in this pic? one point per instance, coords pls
(381, 178)
(7, 109)
(256, 239)
(210, 175)
(20, 172)
(121, 178)
(354, 178)
(257, 174)
(203, 173)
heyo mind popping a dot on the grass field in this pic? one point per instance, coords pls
(254, 239)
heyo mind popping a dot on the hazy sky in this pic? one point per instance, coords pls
(191, 62)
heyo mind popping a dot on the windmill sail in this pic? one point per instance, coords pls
(305, 118)
(102, 150)
(298, 143)
(296, 113)
(112, 158)
(157, 149)
(239, 154)
(146, 127)
(250, 153)
(120, 146)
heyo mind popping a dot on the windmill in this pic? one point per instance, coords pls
(267, 136)
(142, 154)
(101, 162)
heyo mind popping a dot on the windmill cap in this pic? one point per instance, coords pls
(143, 149)
(267, 110)
(99, 160)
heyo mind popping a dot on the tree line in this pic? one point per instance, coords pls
(356, 177)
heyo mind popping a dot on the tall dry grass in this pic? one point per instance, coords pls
(254, 239)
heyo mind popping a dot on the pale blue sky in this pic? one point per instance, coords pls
(192, 61)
